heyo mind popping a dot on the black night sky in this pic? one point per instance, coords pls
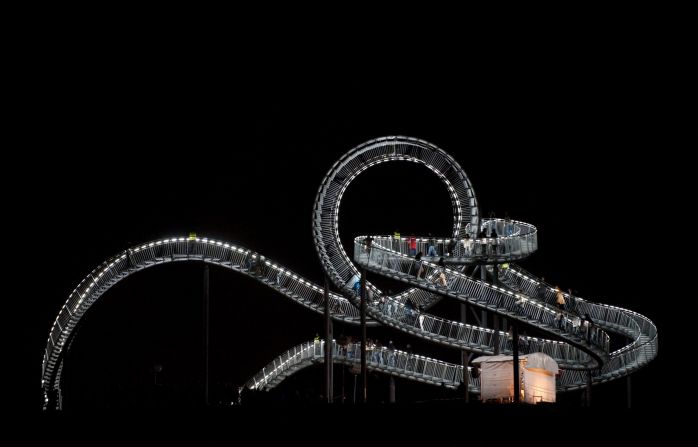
(139, 150)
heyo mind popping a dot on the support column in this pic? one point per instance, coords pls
(495, 337)
(478, 322)
(465, 355)
(329, 347)
(206, 335)
(629, 392)
(392, 390)
(495, 317)
(483, 277)
(515, 343)
(344, 394)
(588, 390)
(364, 369)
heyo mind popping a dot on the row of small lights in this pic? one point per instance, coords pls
(310, 345)
(578, 298)
(522, 297)
(265, 376)
(597, 304)
(174, 240)
(404, 294)
(111, 265)
(385, 158)
(228, 246)
(426, 239)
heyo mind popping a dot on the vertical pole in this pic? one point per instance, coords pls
(588, 394)
(364, 370)
(483, 277)
(495, 317)
(329, 364)
(355, 389)
(392, 390)
(629, 392)
(515, 343)
(465, 355)
(206, 334)
(495, 336)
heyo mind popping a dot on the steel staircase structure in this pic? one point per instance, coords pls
(515, 296)
(392, 362)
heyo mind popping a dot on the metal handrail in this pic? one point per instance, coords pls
(179, 249)
(476, 251)
(335, 261)
(640, 329)
(389, 361)
(460, 286)
(515, 240)
(413, 367)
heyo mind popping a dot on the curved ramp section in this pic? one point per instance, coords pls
(475, 339)
(333, 257)
(521, 242)
(179, 249)
(253, 264)
(454, 284)
(393, 362)
(640, 329)
(396, 363)
(518, 296)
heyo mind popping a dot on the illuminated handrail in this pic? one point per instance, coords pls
(335, 261)
(640, 329)
(515, 240)
(521, 243)
(180, 249)
(481, 294)
(392, 362)
(418, 368)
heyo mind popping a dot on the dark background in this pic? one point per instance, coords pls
(126, 150)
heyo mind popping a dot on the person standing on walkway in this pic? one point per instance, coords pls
(540, 290)
(559, 298)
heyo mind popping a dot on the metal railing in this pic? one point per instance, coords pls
(521, 242)
(335, 261)
(414, 367)
(389, 361)
(523, 298)
(180, 249)
(391, 263)
(640, 329)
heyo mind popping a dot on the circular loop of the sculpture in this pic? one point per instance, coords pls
(337, 264)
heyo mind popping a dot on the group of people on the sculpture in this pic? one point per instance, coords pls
(581, 324)
(439, 278)
(376, 352)
(408, 312)
(486, 244)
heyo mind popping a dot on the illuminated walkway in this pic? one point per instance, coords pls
(514, 297)
(391, 362)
